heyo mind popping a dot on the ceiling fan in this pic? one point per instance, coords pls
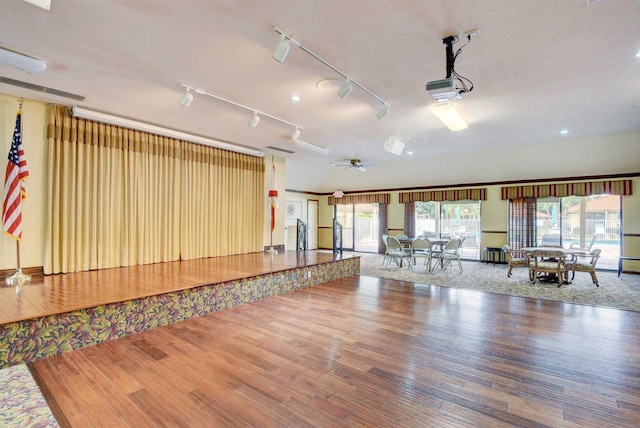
(354, 163)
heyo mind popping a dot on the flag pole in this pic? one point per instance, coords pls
(273, 202)
(18, 278)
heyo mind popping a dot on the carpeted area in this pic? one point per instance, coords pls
(21, 402)
(615, 292)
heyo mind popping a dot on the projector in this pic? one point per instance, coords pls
(443, 90)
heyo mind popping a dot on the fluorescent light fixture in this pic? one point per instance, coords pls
(44, 4)
(255, 120)
(345, 89)
(295, 134)
(187, 99)
(281, 50)
(22, 62)
(84, 113)
(312, 147)
(449, 116)
(384, 112)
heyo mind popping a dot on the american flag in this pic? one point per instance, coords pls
(14, 191)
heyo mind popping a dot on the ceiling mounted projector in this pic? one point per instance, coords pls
(443, 90)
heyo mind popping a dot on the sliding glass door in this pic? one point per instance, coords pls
(577, 220)
(360, 226)
(456, 219)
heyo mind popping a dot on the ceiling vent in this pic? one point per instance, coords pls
(42, 89)
(279, 149)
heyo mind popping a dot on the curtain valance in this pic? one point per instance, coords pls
(611, 187)
(372, 198)
(479, 194)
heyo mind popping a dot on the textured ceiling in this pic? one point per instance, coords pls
(537, 66)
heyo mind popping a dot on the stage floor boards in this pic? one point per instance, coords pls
(55, 294)
(361, 351)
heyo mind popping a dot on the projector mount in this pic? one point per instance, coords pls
(454, 84)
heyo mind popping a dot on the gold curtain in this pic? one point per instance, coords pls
(118, 197)
(223, 203)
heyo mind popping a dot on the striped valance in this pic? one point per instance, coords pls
(479, 194)
(617, 187)
(373, 198)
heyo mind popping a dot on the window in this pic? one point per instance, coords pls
(577, 219)
(456, 219)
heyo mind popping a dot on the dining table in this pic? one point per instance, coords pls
(565, 251)
(435, 242)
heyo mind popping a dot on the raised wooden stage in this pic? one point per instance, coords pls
(58, 313)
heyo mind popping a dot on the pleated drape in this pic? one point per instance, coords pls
(119, 197)
(223, 203)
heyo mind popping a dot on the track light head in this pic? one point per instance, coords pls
(281, 50)
(187, 99)
(345, 89)
(384, 112)
(254, 120)
(295, 134)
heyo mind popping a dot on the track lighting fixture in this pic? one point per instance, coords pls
(345, 89)
(283, 49)
(384, 112)
(254, 120)
(256, 114)
(187, 98)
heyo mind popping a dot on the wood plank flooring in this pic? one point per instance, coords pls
(362, 351)
(54, 294)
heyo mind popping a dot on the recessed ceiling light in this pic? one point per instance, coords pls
(409, 152)
(327, 84)
(638, 54)
(564, 131)
(296, 98)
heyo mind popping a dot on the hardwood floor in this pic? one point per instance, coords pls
(362, 351)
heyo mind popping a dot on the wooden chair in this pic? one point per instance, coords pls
(516, 258)
(585, 263)
(550, 262)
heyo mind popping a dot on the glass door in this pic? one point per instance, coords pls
(366, 228)
(360, 227)
(344, 215)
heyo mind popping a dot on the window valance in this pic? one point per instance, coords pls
(372, 198)
(611, 187)
(479, 194)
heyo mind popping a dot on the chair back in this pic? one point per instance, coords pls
(422, 244)
(548, 254)
(384, 240)
(393, 243)
(452, 246)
